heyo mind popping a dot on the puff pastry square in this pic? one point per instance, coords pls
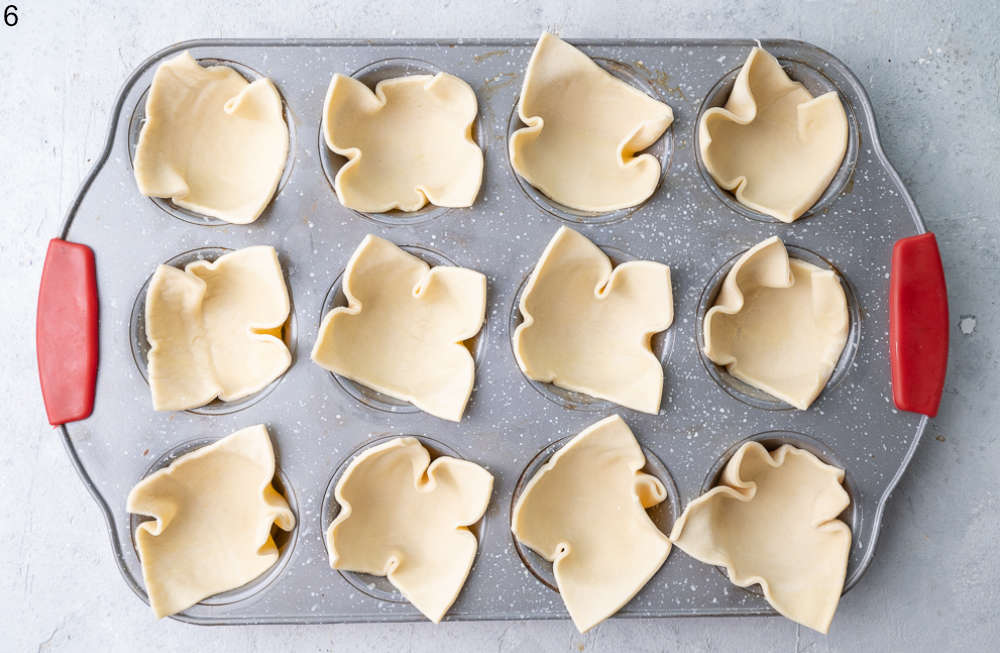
(773, 520)
(778, 323)
(212, 142)
(214, 328)
(403, 329)
(587, 327)
(584, 130)
(212, 512)
(585, 511)
(773, 144)
(407, 518)
(408, 143)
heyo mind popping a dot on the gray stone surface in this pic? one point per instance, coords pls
(933, 72)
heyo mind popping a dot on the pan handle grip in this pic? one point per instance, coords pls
(918, 324)
(66, 331)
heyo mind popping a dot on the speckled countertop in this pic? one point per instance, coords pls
(932, 74)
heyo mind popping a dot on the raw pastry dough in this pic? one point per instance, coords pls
(587, 327)
(403, 328)
(585, 511)
(773, 144)
(212, 513)
(408, 143)
(779, 324)
(212, 142)
(773, 520)
(405, 517)
(213, 328)
(584, 128)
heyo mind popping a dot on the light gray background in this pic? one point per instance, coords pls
(933, 73)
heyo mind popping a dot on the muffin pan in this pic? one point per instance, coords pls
(318, 422)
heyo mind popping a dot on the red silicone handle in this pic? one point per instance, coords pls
(66, 331)
(918, 324)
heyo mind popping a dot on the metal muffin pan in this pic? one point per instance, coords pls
(317, 422)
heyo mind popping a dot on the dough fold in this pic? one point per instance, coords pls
(773, 144)
(406, 518)
(212, 142)
(585, 511)
(213, 510)
(403, 329)
(587, 326)
(584, 129)
(213, 328)
(773, 520)
(408, 143)
(779, 324)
